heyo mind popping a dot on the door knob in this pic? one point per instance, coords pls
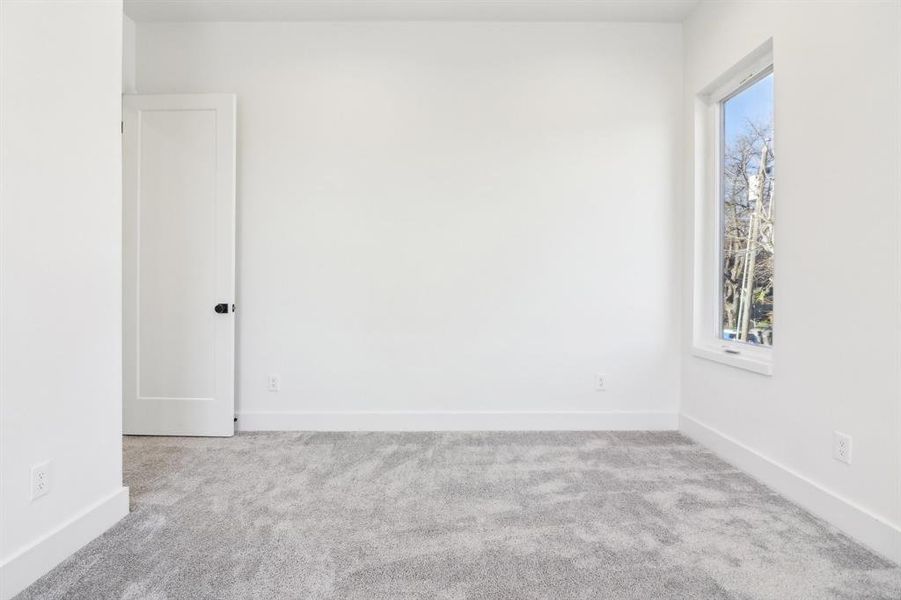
(221, 308)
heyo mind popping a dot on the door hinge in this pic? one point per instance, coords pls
(121, 126)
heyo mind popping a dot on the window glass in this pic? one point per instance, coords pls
(747, 176)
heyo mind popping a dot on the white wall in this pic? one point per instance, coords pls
(837, 136)
(60, 279)
(448, 217)
(129, 75)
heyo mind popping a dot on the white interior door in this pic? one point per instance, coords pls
(179, 251)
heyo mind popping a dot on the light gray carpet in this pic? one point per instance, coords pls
(457, 515)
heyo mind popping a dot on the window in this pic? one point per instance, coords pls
(733, 184)
(746, 165)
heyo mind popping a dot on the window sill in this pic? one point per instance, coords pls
(757, 361)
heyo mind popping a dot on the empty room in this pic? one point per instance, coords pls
(450, 299)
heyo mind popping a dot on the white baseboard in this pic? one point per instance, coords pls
(457, 421)
(857, 522)
(29, 564)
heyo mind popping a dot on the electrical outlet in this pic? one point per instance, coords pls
(40, 480)
(275, 383)
(841, 447)
(600, 383)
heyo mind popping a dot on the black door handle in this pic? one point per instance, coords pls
(221, 308)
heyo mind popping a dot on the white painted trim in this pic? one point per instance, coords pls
(738, 77)
(854, 520)
(752, 359)
(457, 421)
(32, 562)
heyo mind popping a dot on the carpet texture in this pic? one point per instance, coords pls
(458, 515)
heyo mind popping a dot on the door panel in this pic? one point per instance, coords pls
(179, 264)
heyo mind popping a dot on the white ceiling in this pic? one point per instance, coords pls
(409, 10)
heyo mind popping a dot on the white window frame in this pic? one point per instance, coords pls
(707, 339)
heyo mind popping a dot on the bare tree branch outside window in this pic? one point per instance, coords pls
(748, 184)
